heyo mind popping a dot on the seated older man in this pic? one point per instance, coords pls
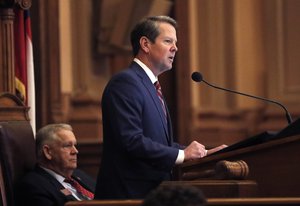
(55, 179)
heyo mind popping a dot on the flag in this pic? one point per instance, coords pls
(24, 68)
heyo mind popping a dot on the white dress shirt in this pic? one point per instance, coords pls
(153, 78)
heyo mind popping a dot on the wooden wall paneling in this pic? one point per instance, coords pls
(182, 73)
(283, 49)
(249, 61)
(214, 49)
(86, 119)
(88, 71)
(249, 52)
(89, 157)
(213, 118)
(45, 26)
(247, 47)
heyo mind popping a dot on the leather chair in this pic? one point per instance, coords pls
(17, 156)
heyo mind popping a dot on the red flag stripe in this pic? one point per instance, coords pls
(24, 67)
(20, 55)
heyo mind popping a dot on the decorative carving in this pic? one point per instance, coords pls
(223, 170)
(24, 4)
(231, 170)
(12, 108)
(7, 14)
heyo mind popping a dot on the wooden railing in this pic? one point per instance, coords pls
(271, 201)
(105, 202)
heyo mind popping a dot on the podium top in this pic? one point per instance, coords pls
(291, 130)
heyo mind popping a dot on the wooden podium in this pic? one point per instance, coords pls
(274, 165)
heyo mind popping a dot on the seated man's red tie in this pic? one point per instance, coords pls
(80, 189)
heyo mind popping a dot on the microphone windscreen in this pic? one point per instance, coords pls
(197, 76)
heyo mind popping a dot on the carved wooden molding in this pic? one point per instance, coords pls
(12, 108)
(223, 170)
(24, 4)
(231, 170)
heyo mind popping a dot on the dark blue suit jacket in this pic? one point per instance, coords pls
(38, 188)
(138, 148)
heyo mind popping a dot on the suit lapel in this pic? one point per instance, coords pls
(169, 124)
(56, 184)
(152, 91)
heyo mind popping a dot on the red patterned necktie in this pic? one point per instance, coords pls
(161, 98)
(80, 189)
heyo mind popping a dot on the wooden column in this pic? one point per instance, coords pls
(7, 72)
(182, 76)
(7, 52)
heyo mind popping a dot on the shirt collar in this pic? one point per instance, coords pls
(58, 177)
(148, 71)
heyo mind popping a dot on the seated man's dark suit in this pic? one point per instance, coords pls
(38, 187)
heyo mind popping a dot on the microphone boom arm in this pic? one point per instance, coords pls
(287, 114)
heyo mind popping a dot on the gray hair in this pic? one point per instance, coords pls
(48, 134)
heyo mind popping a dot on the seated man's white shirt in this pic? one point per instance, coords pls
(61, 179)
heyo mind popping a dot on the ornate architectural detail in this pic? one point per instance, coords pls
(7, 51)
(24, 4)
(12, 108)
(223, 170)
(231, 170)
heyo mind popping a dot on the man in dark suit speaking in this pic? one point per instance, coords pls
(55, 180)
(138, 148)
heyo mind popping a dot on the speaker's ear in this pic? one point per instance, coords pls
(144, 44)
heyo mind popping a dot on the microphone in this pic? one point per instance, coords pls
(197, 77)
